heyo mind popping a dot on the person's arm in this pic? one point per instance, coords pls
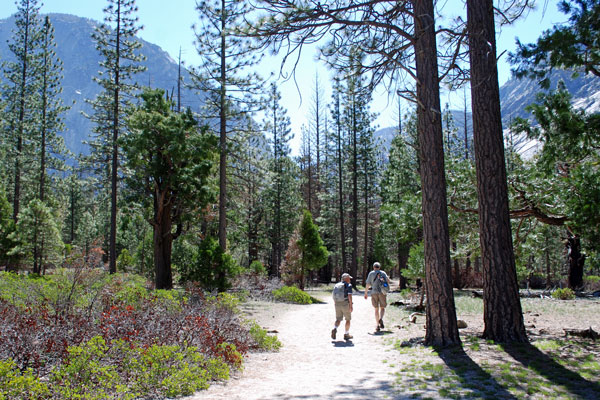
(350, 301)
(367, 286)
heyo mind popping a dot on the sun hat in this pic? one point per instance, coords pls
(344, 275)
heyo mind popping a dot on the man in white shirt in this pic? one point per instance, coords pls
(378, 281)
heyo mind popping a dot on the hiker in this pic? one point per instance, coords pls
(342, 297)
(378, 281)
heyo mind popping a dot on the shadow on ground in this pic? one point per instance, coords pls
(531, 357)
(472, 375)
(381, 333)
(342, 343)
(367, 388)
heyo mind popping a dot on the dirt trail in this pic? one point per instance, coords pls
(310, 365)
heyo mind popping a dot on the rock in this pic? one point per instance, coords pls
(461, 324)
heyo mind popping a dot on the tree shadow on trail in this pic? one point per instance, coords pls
(531, 357)
(471, 374)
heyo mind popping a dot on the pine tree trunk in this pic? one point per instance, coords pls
(403, 253)
(44, 122)
(341, 192)
(163, 241)
(21, 122)
(457, 282)
(223, 141)
(354, 261)
(112, 257)
(502, 308)
(366, 227)
(576, 262)
(441, 315)
(223, 147)
(468, 270)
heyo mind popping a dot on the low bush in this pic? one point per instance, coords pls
(291, 294)
(15, 384)
(81, 334)
(591, 283)
(563, 294)
(257, 268)
(120, 370)
(263, 340)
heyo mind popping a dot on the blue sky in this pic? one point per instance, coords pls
(168, 24)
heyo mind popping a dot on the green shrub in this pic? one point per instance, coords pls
(97, 370)
(592, 279)
(125, 261)
(563, 294)
(291, 294)
(15, 384)
(227, 300)
(85, 374)
(258, 268)
(229, 354)
(591, 283)
(208, 265)
(415, 263)
(263, 340)
(173, 370)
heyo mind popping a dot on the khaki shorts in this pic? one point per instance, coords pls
(342, 310)
(378, 300)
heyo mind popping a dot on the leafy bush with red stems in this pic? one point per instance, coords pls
(43, 318)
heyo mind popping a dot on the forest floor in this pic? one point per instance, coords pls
(393, 364)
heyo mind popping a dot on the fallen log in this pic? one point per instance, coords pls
(413, 317)
(584, 333)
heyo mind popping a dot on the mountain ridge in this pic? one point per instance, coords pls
(77, 50)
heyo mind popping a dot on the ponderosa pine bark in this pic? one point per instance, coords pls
(441, 314)
(163, 242)
(575, 261)
(503, 317)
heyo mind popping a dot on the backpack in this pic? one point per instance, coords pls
(381, 283)
(338, 292)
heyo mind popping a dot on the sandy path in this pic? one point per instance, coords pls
(311, 365)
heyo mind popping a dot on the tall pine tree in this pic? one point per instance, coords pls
(115, 40)
(220, 76)
(21, 93)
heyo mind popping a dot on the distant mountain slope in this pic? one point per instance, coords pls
(77, 50)
(516, 94)
(81, 60)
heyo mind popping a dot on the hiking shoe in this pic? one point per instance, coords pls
(347, 336)
(377, 329)
(381, 324)
(333, 333)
